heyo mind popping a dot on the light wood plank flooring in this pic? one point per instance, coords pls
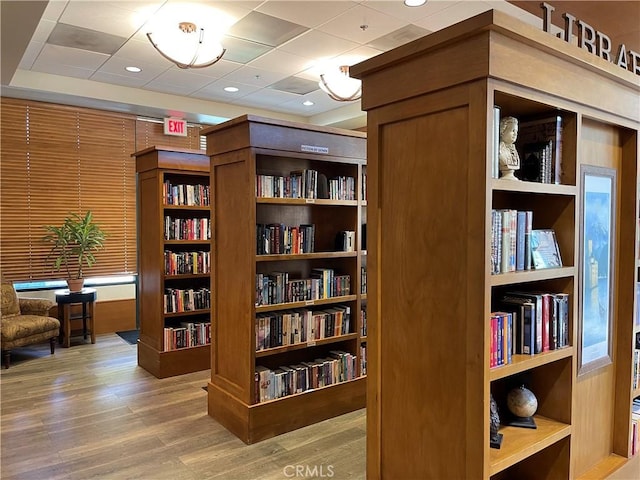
(90, 412)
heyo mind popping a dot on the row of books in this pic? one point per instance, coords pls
(301, 326)
(636, 368)
(363, 359)
(274, 288)
(270, 384)
(178, 300)
(364, 185)
(183, 263)
(528, 323)
(277, 238)
(305, 184)
(363, 321)
(186, 228)
(188, 334)
(189, 195)
(511, 240)
(363, 279)
(539, 146)
(635, 426)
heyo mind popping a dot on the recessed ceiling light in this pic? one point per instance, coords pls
(414, 3)
(230, 89)
(308, 103)
(133, 69)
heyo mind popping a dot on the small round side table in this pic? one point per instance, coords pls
(65, 299)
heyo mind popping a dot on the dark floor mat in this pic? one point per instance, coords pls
(130, 336)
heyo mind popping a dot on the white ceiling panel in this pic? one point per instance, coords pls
(186, 81)
(30, 55)
(408, 14)
(45, 27)
(267, 98)
(62, 70)
(123, 80)
(54, 10)
(281, 61)
(258, 77)
(215, 91)
(116, 66)
(452, 14)
(307, 13)
(111, 17)
(55, 54)
(361, 24)
(318, 45)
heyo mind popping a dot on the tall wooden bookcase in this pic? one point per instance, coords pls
(185, 170)
(241, 150)
(430, 197)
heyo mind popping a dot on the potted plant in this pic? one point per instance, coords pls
(73, 246)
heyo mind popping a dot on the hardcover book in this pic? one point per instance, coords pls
(545, 252)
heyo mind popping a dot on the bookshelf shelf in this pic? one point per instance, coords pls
(304, 256)
(288, 348)
(165, 174)
(189, 208)
(521, 443)
(307, 202)
(533, 187)
(187, 313)
(308, 303)
(247, 154)
(513, 278)
(433, 246)
(522, 363)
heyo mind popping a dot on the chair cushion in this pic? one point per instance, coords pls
(22, 326)
(9, 304)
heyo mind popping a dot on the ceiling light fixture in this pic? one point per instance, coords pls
(231, 89)
(414, 3)
(133, 69)
(308, 103)
(340, 86)
(188, 46)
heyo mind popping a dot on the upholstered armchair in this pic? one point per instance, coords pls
(25, 321)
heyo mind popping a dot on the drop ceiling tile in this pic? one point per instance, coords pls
(317, 45)
(362, 25)
(178, 80)
(114, 79)
(258, 77)
(116, 18)
(266, 98)
(55, 54)
(54, 10)
(300, 86)
(84, 39)
(455, 13)
(280, 61)
(116, 66)
(265, 29)
(308, 14)
(243, 51)
(62, 70)
(30, 55)
(43, 30)
(399, 37)
(215, 91)
(409, 14)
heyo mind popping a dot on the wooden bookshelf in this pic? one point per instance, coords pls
(155, 166)
(429, 252)
(241, 150)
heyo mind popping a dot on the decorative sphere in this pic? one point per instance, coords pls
(522, 402)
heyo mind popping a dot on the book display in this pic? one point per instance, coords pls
(286, 286)
(479, 273)
(174, 260)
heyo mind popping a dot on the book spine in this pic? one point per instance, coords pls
(520, 240)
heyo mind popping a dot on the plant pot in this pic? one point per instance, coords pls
(75, 284)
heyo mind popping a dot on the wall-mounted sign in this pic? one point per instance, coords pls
(592, 40)
(175, 126)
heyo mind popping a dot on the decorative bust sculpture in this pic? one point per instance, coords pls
(508, 155)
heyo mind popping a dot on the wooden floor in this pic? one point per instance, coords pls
(90, 412)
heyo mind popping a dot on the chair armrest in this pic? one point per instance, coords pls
(35, 306)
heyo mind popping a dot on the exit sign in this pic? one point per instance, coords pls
(175, 126)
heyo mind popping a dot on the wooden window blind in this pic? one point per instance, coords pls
(57, 160)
